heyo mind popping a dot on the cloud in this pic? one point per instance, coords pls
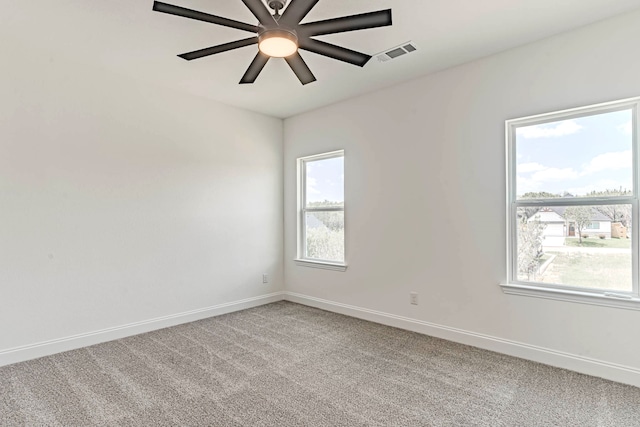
(533, 177)
(625, 128)
(601, 185)
(530, 167)
(312, 183)
(527, 185)
(536, 177)
(554, 174)
(566, 127)
(608, 161)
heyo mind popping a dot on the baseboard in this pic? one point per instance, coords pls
(584, 365)
(33, 351)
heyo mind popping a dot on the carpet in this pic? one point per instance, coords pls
(286, 364)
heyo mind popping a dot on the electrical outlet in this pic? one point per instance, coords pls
(413, 298)
(265, 278)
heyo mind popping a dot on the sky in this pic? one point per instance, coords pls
(591, 153)
(325, 180)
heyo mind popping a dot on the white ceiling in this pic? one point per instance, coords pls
(127, 37)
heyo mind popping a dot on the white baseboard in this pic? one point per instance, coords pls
(584, 365)
(33, 351)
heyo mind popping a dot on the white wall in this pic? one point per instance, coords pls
(121, 202)
(425, 196)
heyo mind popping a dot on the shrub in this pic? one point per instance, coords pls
(324, 243)
(585, 236)
(602, 236)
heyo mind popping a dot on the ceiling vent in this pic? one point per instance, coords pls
(397, 51)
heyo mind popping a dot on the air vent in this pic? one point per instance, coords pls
(397, 51)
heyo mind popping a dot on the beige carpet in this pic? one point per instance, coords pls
(285, 364)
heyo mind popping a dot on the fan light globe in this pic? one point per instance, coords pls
(278, 43)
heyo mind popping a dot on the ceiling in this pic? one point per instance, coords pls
(128, 38)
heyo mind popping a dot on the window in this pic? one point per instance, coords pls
(321, 211)
(572, 205)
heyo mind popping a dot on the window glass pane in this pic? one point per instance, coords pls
(560, 245)
(588, 156)
(325, 182)
(325, 235)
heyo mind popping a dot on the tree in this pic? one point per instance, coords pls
(539, 195)
(580, 216)
(325, 243)
(530, 211)
(325, 232)
(529, 245)
(617, 213)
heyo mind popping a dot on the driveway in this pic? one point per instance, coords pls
(553, 241)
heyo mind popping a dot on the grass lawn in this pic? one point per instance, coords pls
(596, 242)
(587, 270)
(545, 256)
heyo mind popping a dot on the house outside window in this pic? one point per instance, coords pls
(572, 204)
(321, 211)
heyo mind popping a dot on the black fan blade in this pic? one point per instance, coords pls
(333, 51)
(296, 11)
(261, 12)
(201, 16)
(218, 49)
(300, 68)
(254, 69)
(380, 18)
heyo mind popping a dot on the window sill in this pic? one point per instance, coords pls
(321, 264)
(603, 299)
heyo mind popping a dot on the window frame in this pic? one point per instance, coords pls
(619, 299)
(301, 258)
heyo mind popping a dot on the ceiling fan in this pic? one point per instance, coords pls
(280, 36)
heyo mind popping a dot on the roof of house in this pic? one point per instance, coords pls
(595, 214)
